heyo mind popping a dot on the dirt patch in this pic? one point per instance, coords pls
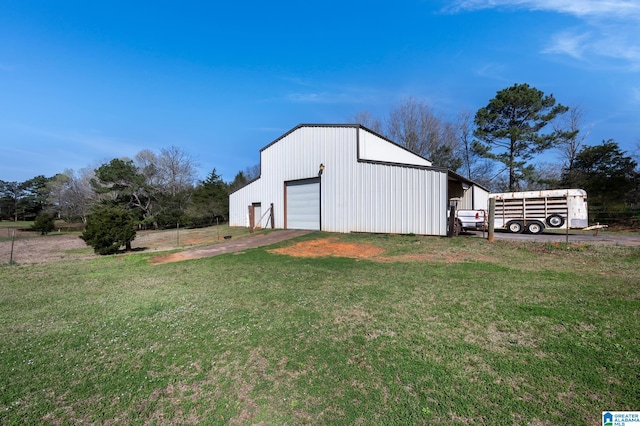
(325, 247)
(51, 248)
(171, 257)
(32, 248)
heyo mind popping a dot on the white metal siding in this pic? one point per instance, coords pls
(374, 148)
(402, 200)
(298, 155)
(303, 205)
(474, 198)
(480, 198)
(240, 201)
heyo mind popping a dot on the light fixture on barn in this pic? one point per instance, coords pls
(321, 169)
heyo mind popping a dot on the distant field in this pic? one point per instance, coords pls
(30, 247)
(406, 330)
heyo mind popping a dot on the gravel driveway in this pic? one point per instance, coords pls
(582, 237)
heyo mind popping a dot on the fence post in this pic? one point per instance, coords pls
(273, 219)
(13, 238)
(452, 221)
(492, 217)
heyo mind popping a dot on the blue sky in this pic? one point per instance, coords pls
(84, 82)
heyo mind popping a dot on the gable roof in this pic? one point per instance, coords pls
(353, 126)
(451, 174)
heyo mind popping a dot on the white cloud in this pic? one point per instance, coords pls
(335, 94)
(568, 43)
(81, 141)
(492, 70)
(603, 8)
(607, 30)
(309, 97)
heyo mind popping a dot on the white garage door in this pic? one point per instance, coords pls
(303, 205)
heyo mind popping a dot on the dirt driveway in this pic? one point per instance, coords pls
(259, 240)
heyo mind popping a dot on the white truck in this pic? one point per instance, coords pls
(531, 211)
(471, 220)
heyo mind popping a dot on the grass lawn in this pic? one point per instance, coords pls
(434, 331)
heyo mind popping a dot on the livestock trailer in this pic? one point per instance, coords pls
(533, 211)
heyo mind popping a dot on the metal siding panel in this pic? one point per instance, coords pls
(374, 148)
(392, 199)
(337, 180)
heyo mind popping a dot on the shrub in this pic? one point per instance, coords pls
(44, 223)
(109, 229)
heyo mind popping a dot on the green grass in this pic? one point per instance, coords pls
(510, 334)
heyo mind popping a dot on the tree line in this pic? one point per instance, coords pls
(500, 147)
(159, 190)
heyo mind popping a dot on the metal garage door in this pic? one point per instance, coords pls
(303, 205)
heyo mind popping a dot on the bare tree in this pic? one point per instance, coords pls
(464, 126)
(82, 194)
(171, 171)
(415, 126)
(369, 121)
(177, 169)
(148, 164)
(170, 177)
(571, 125)
(484, 173)
(71, 194)
(252, 172)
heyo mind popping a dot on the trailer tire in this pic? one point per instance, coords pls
(555, 221)
(535, 227)
(515, 227)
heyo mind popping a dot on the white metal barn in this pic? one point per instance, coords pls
(346, 178)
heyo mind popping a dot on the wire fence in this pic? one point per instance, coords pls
(616, 215)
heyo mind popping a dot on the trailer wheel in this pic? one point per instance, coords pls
(555, 221)
(535, 227)
(515, 227)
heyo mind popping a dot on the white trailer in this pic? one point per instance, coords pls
(533, 211)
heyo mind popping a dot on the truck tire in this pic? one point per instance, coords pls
(555, 221)
(515, 227)
(535, 227)
(458, 228)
